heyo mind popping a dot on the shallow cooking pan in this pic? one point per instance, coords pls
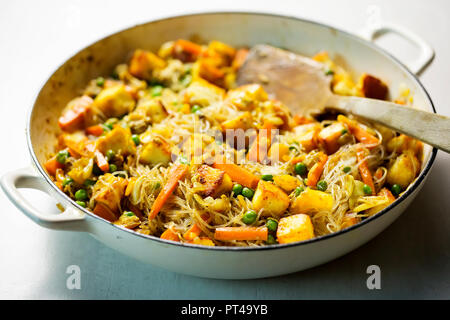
(237, 29)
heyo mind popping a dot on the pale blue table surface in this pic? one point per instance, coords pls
(413, 254)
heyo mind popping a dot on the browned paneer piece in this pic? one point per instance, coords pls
(117, 140)
(403, 170)
(143, 63)
(74, 115)
(373, 87)
(247, 96)
(210, 182)
(270, 198)
(115, 101)
(329, 136)
(110, 191)
(156, 151)
(295, 228)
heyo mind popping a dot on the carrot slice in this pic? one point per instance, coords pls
(316, 171)
(237, 173)
(386, 193)
(52, 165)
(366, 175)
(101, 161)
(73, 118)
(241, 233)
(170, 235)
(104, 212)
(96, 130)
(360, 134)
(194, 231)
(176, 173)
(239, 59)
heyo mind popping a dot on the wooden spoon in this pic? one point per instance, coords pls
(302, 84)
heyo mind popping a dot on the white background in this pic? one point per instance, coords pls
(35, 37)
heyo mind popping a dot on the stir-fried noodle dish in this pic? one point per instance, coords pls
(169, 146)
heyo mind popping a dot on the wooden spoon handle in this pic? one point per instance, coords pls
(428, 127)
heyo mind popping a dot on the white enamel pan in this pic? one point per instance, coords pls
(237, 29)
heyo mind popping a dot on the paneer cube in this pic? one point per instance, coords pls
(312, 201)
(286, 182)
(279, 152)
(210, 182)
(403, 170)
(329, 136)
(143, 63)
(153, 108)
(203, 93)
(308, 140)
(109, 191)
(402, 143)
(74, 115)
(156, 151)
(115, 101)
(243, 121)
(117, 140)
(295, 228)
(128, 221)
(246, 97)
(270, 198)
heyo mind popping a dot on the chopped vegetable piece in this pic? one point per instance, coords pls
(169, 234)
(248, 193)
(67, 181)
(96, 130)
(271, 239)
(270, 198)
(367, 189)
(135, 139)
(322, 185)
(110, 154)
(237, 189)
(316, 171)
(112, 168)
(396, 189)
(175, 174)
(237, 173)
(347, 169)
(156, 91)
(360, 134)
(272, 225)
(267, 177)
(249, 217)
(298, 190)
(100, 81)
(241, 233)
(81, 203)
(366, 175)
(312, 201)
(194, 231)
(62, 155)
(52, 165)
(81, 195)
(104, 212)
(300, 168)
(101, 161)
(73, 118)
(195, 108)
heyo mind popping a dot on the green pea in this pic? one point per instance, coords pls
(272, 225)
(344, 131)
(329, 72)
(67, 181)
(267, 177)
(115, 75)
(195, 108)
(347, 169)
(81, 203)
(322, 185)
(300, 168)
(136, 139)
(293, 147)
(367, 189)
(237, 189)
(248, 193)
(157, 185)
(157, 91)
(110, 154)
(186, 80)
(62, 156)
(249, 217)
(81, 195)
(129, 213)
(112, 168)
(100, 81)
(396, 189)
(89, 182)
(298, 190)
(271, 239)
(305, 181)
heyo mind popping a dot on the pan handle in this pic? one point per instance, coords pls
(426, 52)
(70, 219)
